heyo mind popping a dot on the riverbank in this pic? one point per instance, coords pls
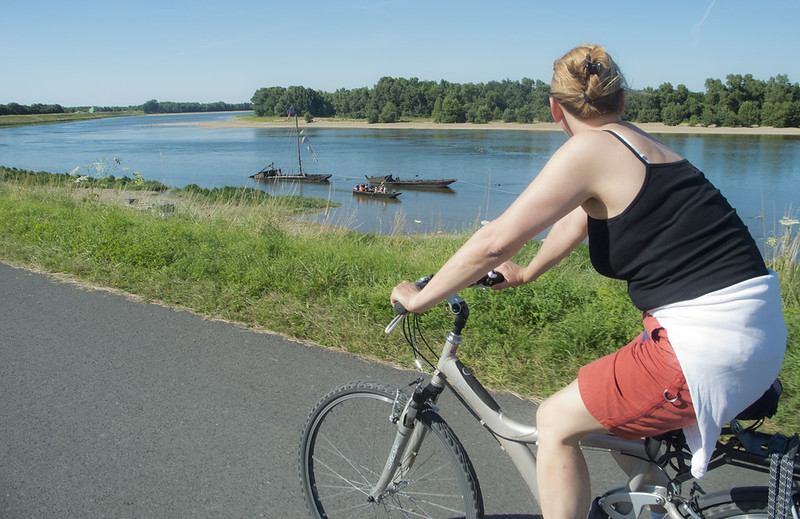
(11, 121)
(428, 125)
(249, 261)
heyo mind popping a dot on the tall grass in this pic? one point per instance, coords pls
(782, 256)
(242, 256)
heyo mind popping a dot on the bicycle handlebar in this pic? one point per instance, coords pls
(491, 278)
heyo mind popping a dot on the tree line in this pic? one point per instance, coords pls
(170, 107)
(741, 100)
(150, 107)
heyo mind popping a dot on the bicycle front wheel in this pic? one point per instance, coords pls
(346, 443)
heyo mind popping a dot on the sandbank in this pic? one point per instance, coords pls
(547, 127)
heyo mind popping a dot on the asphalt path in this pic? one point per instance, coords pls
(112, 407)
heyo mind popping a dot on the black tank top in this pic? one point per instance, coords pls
(677, 240)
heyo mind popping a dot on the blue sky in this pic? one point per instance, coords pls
(124, 53)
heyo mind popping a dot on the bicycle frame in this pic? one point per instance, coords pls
(513, 436)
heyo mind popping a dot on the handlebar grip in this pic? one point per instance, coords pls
(492, 278)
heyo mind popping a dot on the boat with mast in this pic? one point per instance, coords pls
(272, 174)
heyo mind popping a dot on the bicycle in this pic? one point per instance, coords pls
(368, 450)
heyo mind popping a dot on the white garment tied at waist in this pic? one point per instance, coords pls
(730, 344)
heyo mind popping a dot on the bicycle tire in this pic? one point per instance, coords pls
(345, 444)
(737, 503)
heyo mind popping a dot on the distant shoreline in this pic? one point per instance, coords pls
(546, 127)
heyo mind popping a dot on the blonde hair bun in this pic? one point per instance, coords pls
(587, 82)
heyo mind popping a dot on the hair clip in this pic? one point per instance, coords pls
(592, 68)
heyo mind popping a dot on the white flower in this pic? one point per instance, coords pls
(788, 222)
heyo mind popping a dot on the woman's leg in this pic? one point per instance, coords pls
(563, 477)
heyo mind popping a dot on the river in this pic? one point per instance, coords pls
(759, 174)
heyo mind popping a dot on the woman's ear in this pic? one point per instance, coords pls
(555, 109)
(559, 117)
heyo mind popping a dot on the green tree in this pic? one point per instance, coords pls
(151, 107)
(266, 101)
(526, 113)
(709, 117)
(388, 113)
(452, 111)
(373, 116)
(777, 107)
(480, 115)
(437, 110)
(749, 113)
(649, 105)
(727, 117)
(673, 114)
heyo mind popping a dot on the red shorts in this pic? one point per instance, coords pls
(639, 390)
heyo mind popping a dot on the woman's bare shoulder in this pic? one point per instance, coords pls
(586, 147)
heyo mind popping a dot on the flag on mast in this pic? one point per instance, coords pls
(305, 140)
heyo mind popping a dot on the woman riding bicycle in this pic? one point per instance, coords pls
(714, 334)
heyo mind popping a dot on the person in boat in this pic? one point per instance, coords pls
(714, 336)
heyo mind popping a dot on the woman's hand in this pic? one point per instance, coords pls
(514, 275)
(404, 294)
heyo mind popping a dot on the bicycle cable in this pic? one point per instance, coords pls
(412, 332)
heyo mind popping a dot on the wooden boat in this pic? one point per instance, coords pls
(420, 183)
(371, 192)
(272, 174)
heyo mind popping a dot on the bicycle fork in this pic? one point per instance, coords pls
(407, 441)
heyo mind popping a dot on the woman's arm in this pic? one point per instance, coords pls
(566, 181)
(562, 239)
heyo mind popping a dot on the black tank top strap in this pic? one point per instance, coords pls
(630, 146)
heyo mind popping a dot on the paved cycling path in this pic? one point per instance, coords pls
(116, 408)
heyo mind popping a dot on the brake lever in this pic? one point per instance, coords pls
(392, 325)
(402, 312)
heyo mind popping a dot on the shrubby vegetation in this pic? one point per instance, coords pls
(44, 178)
(104, 180)
(34, 109)
(170, 107)
(42, 109)
(150, 107)
(739, 101)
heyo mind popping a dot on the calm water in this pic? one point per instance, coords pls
(760, 175)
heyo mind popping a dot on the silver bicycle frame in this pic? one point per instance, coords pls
(515, 439)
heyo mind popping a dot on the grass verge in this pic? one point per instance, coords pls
(239, 255)
(8, 121)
